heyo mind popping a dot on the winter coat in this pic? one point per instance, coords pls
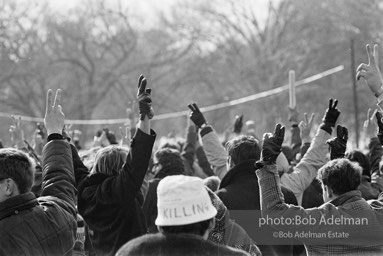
(44, 225)
(180, 244)
(239, 188)
(306, 171)
(110, 205)
(347, 225)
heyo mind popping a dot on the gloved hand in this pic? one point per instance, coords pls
(144, 99)
(196, 116)
(379, 117)
(238, 124)
(272, 146)
(339, 143)
(332, 113)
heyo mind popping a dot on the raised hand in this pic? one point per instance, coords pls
(305, 127)
(17, 133)
(54, 119)
(272, 145)
(196, 116)
(144, 99)
(332, 113)
(370, 72)
(339, 143)
(238, 124)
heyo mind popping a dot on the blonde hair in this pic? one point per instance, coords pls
(109, 160)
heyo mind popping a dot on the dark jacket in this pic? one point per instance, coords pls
(109, 204)
(44, 225)
(239, 188)
(180, 244)
(150, 205)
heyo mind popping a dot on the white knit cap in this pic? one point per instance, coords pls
(183, 200)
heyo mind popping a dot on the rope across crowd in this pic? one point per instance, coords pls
(197, 195)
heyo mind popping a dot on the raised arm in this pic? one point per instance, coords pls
(306, 171)
(371, 74)
(58, 175)
(296, 140)
(215, 152)
(128, 183)
(188, 151)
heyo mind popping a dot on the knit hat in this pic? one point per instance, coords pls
(183, 200)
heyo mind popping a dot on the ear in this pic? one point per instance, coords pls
(11, 188)
(229, 163)
(211, 224)
(330, 192)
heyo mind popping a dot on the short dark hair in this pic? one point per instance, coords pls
(171, 162)
(361, 159)
(18, 166)
(341, 175)
(198, 228)
(243, 148)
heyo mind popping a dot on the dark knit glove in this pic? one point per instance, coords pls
(144, 99)
(332, 113)
(339, 143)
(272, 146)
(238, 124)
(196, 116)
(379, 117)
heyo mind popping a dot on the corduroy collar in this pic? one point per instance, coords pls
(348, 197)
(16, 204)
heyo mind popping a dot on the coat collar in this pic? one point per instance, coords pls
(347, 197)
(16, 204)
(243, 169)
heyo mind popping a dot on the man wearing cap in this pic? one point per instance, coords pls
(185, 218)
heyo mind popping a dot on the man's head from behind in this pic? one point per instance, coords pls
(16, 173)
(184, 206)
(339, 176)
(242, 148)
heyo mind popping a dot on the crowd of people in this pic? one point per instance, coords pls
(196, 195)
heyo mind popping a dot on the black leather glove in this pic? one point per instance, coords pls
(379, 117)
(144, 99)
(339, 143)
(272, 146)
(238, 124)
(196, 116)
(332, 113)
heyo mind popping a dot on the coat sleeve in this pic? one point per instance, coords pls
(128, 183)
(376, 153)
(58, 178)
(215, 152)
(80, 170)
(188, 151)
(203, 162)
(296, 140)
(306, 171)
